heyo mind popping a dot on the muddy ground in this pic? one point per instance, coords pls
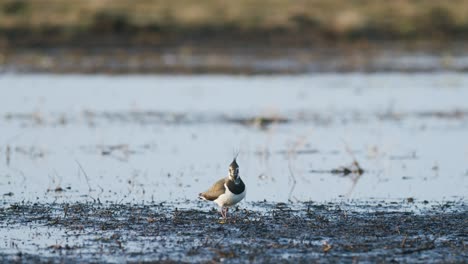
(402, 231)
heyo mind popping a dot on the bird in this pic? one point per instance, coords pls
(227, 191)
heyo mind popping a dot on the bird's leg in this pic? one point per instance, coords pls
(225, 213)
(222, 213)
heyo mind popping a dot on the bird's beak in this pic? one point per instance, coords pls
(232, 176)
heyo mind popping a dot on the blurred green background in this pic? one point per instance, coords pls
(299, 21)
(242, 36)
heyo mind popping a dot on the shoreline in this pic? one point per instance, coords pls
(196, 58)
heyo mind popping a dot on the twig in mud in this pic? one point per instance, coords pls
(85, 174)
(175, 215)
(428, 246)
(65, 211)
(224, 254)
(205, 243)
(219, 241)
(58, 188)
(293, 180)
(355, 168)
(291, 152)
(326, 247)
(404, 241)
(119, 244)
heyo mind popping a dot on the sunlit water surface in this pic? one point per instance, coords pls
(167, 138)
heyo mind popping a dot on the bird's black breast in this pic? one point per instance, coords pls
(236, 188)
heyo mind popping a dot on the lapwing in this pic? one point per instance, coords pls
(227, 191)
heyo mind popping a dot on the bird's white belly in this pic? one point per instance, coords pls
(228, 198)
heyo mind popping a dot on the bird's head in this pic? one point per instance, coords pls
(234, 171)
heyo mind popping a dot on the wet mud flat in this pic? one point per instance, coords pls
(304, 232)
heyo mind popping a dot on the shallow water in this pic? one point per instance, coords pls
(166, 138)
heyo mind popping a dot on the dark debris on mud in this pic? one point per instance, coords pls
(268, 232)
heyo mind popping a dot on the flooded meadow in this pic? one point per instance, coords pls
(338, 167)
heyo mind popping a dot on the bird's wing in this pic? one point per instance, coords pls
(215, 191)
